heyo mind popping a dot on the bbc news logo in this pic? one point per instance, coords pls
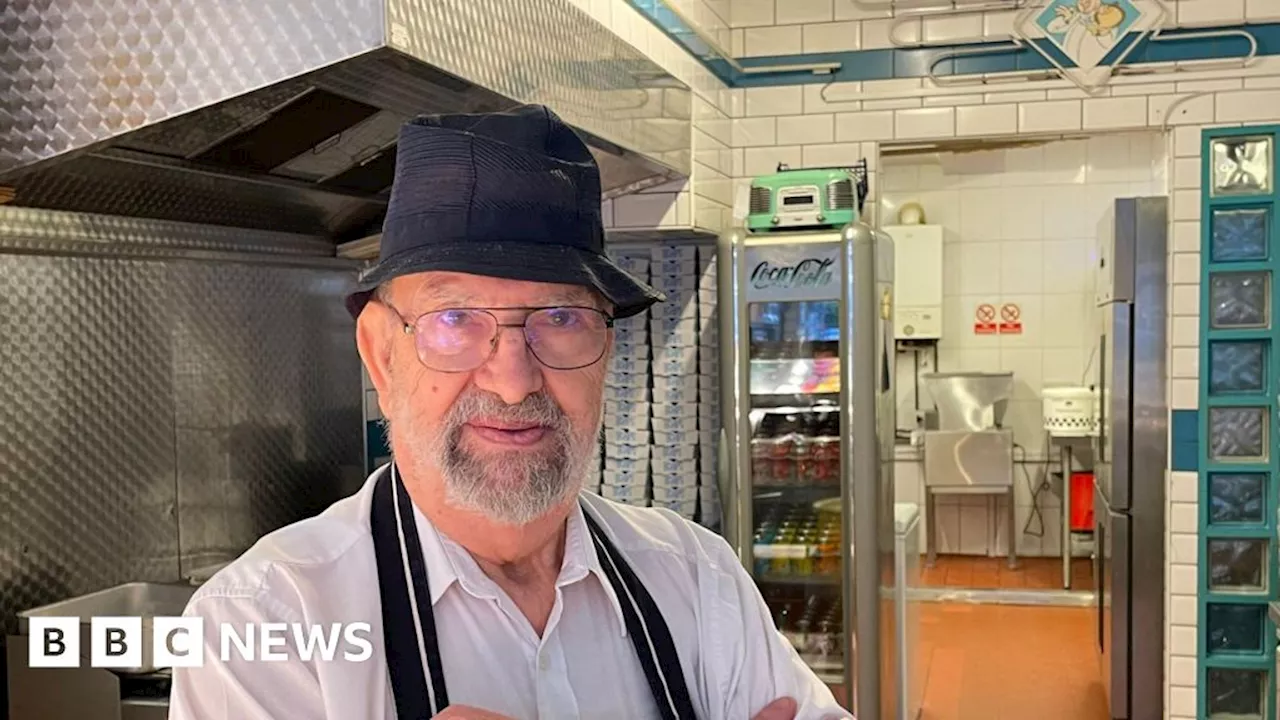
(118, 642)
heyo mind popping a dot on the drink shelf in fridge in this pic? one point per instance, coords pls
(810, 401)
(795, 376)
(813, 623)
(793, 347)
(816, 570)
(792, 449)
(766, 493)
(796, 561)
(790, 579)
(785, 551)
(830, 677)
(832, 668)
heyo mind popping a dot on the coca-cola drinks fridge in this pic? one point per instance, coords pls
(807, 410)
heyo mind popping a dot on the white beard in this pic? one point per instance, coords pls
(513, 487)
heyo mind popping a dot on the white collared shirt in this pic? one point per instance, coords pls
(322, 570)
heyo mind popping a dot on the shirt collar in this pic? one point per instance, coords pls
(442, 570)
(448, 562)
(580, 553)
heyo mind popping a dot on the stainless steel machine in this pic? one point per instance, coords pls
(808, 426)
(968, 452)
(89, 693)
(1130, 456)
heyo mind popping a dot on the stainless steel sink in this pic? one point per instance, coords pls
(139, 599)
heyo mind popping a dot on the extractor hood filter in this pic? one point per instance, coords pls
(283, 114)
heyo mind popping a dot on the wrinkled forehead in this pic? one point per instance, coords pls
(453, 289)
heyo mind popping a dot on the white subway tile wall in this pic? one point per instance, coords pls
(1257, 11)
(1020, 228)
(704, 200)
(1193, 13)
(832, 37)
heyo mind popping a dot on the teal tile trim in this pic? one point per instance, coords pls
(1220, 659)
(894, 63)
(1185, 436)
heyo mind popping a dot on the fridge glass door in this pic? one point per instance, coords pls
(795, 488)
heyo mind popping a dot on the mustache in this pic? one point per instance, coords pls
(536, 409)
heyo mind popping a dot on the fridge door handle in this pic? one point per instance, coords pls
(1117, 409)
(730, 485)
(722, 458)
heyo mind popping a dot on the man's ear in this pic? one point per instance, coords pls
(374, 338)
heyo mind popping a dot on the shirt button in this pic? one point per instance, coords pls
(544, 662)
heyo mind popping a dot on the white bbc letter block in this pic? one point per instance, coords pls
(273, 636)
(366, 648)
(55, 642)
(178, 642)
(116, 642)
(245, 644)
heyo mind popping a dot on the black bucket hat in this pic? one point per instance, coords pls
(513, 194)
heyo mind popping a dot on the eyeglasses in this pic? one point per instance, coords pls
(463, 339)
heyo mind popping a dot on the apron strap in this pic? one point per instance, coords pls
(647, 629)
(409, 637)
(408, 622)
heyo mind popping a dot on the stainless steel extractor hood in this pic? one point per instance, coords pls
(283, 114)
(970, 400)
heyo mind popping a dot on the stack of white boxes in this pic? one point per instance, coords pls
(662, 392)
(628, 440)
(674, 327)
(709, 509)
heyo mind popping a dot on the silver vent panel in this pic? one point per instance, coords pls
(760, 200)
(840, 195)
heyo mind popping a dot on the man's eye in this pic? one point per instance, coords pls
(455, 318)
(563, 318)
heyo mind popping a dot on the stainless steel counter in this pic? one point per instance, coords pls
(89, 693)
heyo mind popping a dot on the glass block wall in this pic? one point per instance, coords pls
(1240, 401)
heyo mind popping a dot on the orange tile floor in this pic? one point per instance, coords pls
(1004, 662)
(993, 573)
(1008, 662)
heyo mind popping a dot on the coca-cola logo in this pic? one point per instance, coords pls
(808, 273)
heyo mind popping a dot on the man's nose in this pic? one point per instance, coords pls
(512, 372)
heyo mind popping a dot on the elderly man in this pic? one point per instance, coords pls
(495, 587)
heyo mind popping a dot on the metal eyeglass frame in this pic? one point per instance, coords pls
(410, 328)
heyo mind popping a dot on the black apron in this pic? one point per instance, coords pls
(417, 676)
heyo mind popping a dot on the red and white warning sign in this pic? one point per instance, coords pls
(1010, 319)
(984, 320)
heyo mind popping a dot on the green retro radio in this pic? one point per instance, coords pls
(807, 199)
